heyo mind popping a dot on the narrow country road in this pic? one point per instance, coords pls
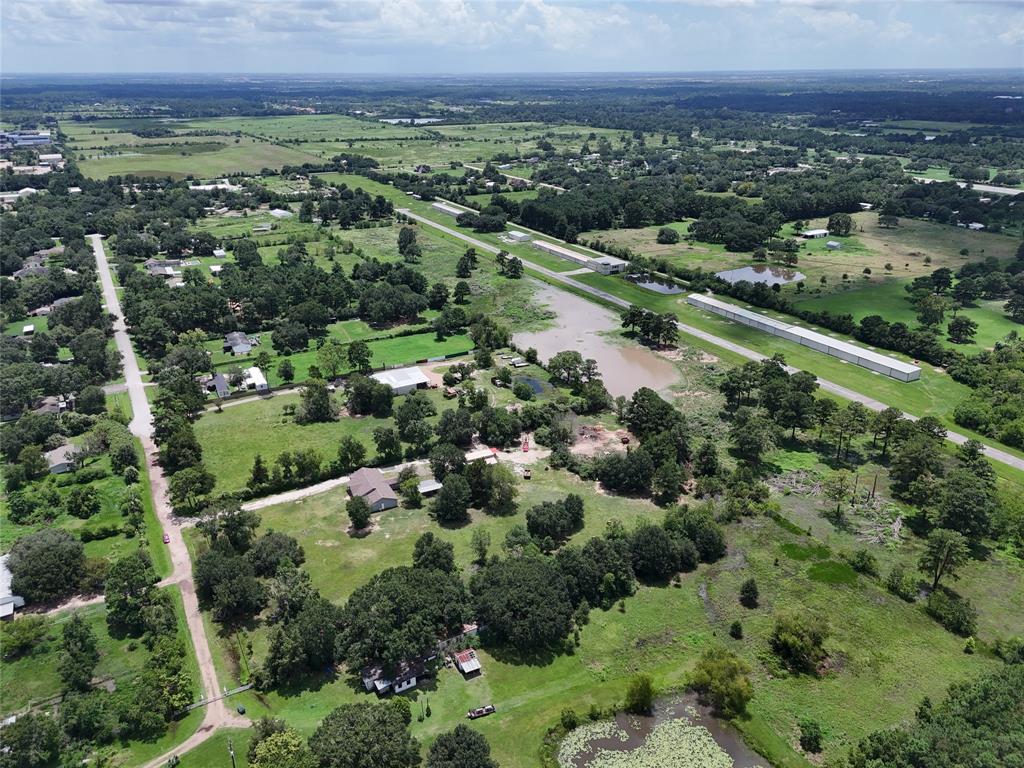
(217, 714)
(836, 389)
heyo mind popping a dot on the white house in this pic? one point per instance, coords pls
(813, 234)
(61, 460)
(402, 380)
(254, 379)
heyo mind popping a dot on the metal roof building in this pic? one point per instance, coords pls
(402, 380)
(844, 350)
(451, 210)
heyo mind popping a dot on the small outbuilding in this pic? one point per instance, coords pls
(402, 380)
(467, 662)
(610, 265)
(518, 237)
(833, 245)
(814, 234)
(369, 483)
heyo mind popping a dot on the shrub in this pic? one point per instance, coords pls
(953, 612)
(900, 584)
(736, 630)
(864, 562)
(640, 695)
(720, 678)
(810, 736)
(749, 594)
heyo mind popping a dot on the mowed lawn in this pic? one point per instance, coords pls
(890, 653)
(889, 299)
(232, 438)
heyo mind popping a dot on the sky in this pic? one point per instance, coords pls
(491, 36)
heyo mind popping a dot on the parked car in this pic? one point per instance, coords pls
(167, 538)
(483, 711)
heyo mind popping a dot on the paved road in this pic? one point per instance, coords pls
(991, 189)
(836, 389)
(217, 714)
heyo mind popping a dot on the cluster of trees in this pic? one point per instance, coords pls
(658, 329)
(364, 735)
(978, 722)
(996, 407)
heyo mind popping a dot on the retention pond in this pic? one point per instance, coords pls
(581, 326)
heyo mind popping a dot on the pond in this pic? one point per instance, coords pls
(681, 733)
(652, 283)
(531, 382)
(581, 326)
(762, 273)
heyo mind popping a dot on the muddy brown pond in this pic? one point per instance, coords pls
(580, 326)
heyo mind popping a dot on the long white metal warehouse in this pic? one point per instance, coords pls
(449, 209)
(844, 350)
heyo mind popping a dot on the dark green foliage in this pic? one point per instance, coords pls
(720, 678)
(810, 736)
(366, 736)
(640, 695)
(978, 726)
(953, 612)
(33, 741)
(273, 549)
(399, 615)
(556, 519)
(797, 638)
(433, 552)
(523, 602)
(461, 747)
(78, 654)
(451, 507)
(46, 565)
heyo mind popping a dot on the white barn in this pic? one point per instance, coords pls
(518, 237)
(448, 209)
(844, 350)
(402, 380)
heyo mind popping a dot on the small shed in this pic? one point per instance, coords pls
(467, 662)
(518, 237)
(833, 245)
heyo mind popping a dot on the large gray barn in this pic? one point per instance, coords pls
(844, 350)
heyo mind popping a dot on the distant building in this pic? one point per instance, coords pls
(51, 159)
(813, 234)
(35, 270)
(216, 269)
(220, 253)
(237, 343)
(485, 454)
(609, 265)
(53, 404)
(447, 209)
(833, 245)
(976, 226)
(428, 487)
(518, 237)
(281, 213)
(62, 460)
(9, 602)
(422, 168)
(402, 380)
(369, 484)
(24, 138)
(865, 206)
(74, 190)
(254, 379)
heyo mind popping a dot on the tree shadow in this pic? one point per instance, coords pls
(534, 657)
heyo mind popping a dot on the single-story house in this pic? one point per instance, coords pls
(405, 678)
(219, 384)
(517, 236)
(518, 362)
(216, 269)
(833, 245)
(74, 190)
(61, 460)
(281, 213)
(467, 662)
(254, 379)
(814, 234)
(28, 330)
(55, 404)
(402, 380)
(976, 226)
(36, 270)
(369, 483)
(866, 206)
(220, 253)
(237, 343)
